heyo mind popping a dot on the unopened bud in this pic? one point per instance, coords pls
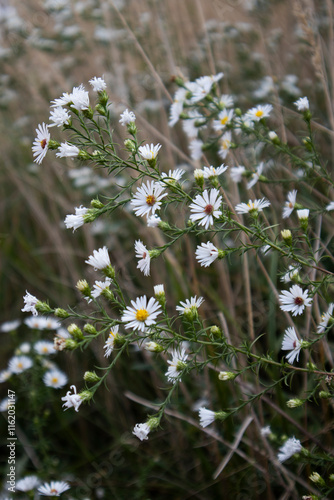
(90, 329)
(61, 313)
(153, 347)
(224, 376)
(91, 377)
(43, 307)
(75, 331)
(216, 331)
(294, 403)
(96, 203)
(325, 394)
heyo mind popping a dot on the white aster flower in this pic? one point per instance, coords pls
(52, 324)
(330, 206)
(141, 431)
(53, 489)
(303, 214)
(226, 101)
(67, 150)
(10, 326)
(291, 274)
(177, 106)
(148, 198)
(265, 431)
(209, 172)
(255, 176)
(172, 176)
(19, 364)
(59, 116)
(72, 400)
(206, 417)
(98, 84)
(100, 259)
(193, 123)
(153, 220)
(76, 220)
(190, 305)
(99, 287)
(289, 204)
(30, 304)
(224, 118)
(205, 207)
(142, 314)
(295, 300)
(206, 253)
(258, 112)
(41, 143)
(143, 254)
(202, 86)
(44, 347)
(110, 342)
(195, 147)
(79, 98)
(23, 348)
(5, 375)
(127, 117)
(302, 104)
(55, 378)
(65, 99)
(252, 206)
(177, 364)
(159, 290)
(291, 343)
(28, 483)
(325, 317)
(290, 447)
(225, 144)
(237, 173)
(149, 152)
(36, 322)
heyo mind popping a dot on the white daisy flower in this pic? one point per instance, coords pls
(36, 322)
(19, 364)
(258, 112)
(205, 207)
(330, 206)
(100, 259)
(291, 274)
(202, 86)
(177, 106)
(127, 117)
(52, 324)
(291, 343)
(142, 314)
(143, 254)
(99, 287)
(206, 253)
(148, 198)
(225, 143)
(67, 150)
(72, 400)
(209, 172)
(23, 348)
(206, 417)
(79, 98)
(55, 378)
(153, 220)
(252, 206)
(289, 204)
(193, 123)
(255, 176)
(237, 173)
(172, 176)
(30, 304)
(176, 365)
(76, 220)
(190, 305)
(226, 101)
(98, 84)
(141, 431)
(149, 152)
(290, 447)
(5, 375)
(28, 483)
(44, 347)
(59, 116)
(295, 300)
(302, 104)
(41, 143)
(303, 214)
(10, 326)
(53, 489)
(110, 342)
(195, 147)
(65, 99)
(325, 319)
(224, 118)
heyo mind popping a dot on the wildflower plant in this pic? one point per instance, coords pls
(229, 215)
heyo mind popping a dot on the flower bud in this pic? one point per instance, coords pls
(130, 145)
(70, 344)
(86, 395)
(61, 313)
(75, 331)
(88, 113)
(90, 329)
(91, 377)
(303, 218)
(153, 347)
(101, 110)
(83, 155)
(103, 97)
(274, 138)
(325, 394)
(83, 287)
(287, 236)
(199, 177)
(216, 331)
(224, 376)
(317, 479)
(294, 403)
(96, 203)
(43, 307)
(159, 294)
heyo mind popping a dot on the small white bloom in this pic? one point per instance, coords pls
(291, 343)
(206, 253)
(292, 273)
(28, 483)
(237, 173)
(143, 254)
(98, 84)
(10, 326)
(149, 152)
(127, 117)
(53, 489)
(224, 118)
(176, 365)
(205, 207)
(272, 135)
(289, 204)
(72, 400)
(5, 375)
(23, 348)
(147, 199)
(30, 304)
(302, 104)
(193, 123)
(330, 206)
(295, 300)
(209, 172)
(62, 101)
(100, 259)
(41, 143)
(76, 220)
(44, 347)
(67, 150)
(201, 87)
(265, 431)
(52, 324)
(99, 287)
(206, 417)
(19, 364)
(142, 314)
(252, 206)
(255, 176)
(225, 144)
(159, 290)
(226, 101)
(79, 98)
(290, 447)
(303, 214)
(141, 431)
(195, 147)
(193, 304)
(172, 176)
(59, 116)
(36, 322)
(325, 319)
(55, 378)
(110, 342)
(153, 220)
(177, 106)
(258, 112)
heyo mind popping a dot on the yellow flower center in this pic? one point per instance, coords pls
(45, 349)
(55, 380)
(259, 113)
(251, 206)
(141, 315)
(224, 120)
(150, 199)
(226, 144)
(19, 365)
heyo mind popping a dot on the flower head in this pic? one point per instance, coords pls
(289, 204)
(28, 483)
(110, 342)
(206, 417)
(225, 144)
(195, 147)
(147, 199)
(10, 326)
(41, 143)
(302, 104)
(290, 447)
(99, 287)
(5, 375)
(295, 300)
(255, 176)
(53, 489)
(141, 431)
(325, 319)
(100, 259)
(79, 98)
(76, 220)
(67, 150)
(189, 307)
(127, 117)
(59, 116)
(252, 207)
(172, 176)
(144, 257)
(30, 304)
(205, 207)
(206, 253)
(19, 364)
(224, 118)
(153, 220)
(98, 84)
(44, 347)
(237, 173)
(176, 365)
(209, 172)
(291, 274)
(142, 314)
(55, 378)
(258, 112)
(149, 152)
(72, 400)
(291, 343)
